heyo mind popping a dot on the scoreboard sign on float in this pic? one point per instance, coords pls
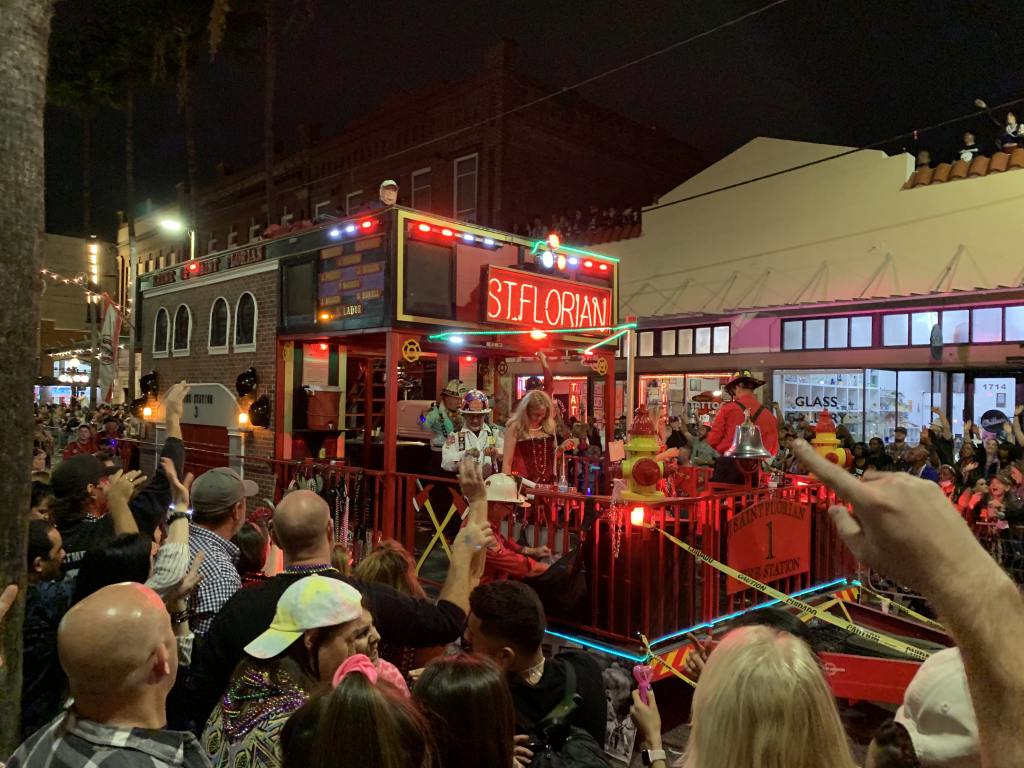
(536, 301)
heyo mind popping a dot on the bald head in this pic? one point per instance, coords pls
(117, 642)
(302, 522)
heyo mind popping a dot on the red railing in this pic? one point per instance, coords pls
(636, 579)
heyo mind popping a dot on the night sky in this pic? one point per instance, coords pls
(848, 72)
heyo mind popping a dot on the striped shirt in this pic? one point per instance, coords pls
(220, 577)
(70, 742)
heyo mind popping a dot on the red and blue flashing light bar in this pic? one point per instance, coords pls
(352, 228)
(551, 254)
(442, 233)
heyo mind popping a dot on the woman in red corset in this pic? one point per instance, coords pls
(531, 447)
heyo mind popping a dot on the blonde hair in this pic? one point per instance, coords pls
(520, 422)
(762, 702)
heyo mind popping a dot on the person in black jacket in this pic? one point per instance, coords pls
(303, 529)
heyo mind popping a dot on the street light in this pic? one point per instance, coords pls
(174, 225)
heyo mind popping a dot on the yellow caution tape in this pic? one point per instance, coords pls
(904, 609)
(875, 637)
(654, 657)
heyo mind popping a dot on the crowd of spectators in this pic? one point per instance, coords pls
(150, 641)
(1008, 136)
(572, 225)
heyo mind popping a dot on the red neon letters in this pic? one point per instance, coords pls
(520, 298)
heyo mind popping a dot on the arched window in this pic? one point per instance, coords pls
(182, 330)
(161, 325)
(219, 324)
(245, 323)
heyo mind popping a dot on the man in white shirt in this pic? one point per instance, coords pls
(477, 439)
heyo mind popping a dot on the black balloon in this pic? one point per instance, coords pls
(137, 405)
(246, 382)
(259, 412)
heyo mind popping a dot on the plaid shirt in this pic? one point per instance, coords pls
(220, 577)
(68, 742)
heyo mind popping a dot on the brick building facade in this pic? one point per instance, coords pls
(555, 155)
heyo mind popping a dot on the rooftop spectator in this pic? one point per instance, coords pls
(506, 623)
(924, 159)
(469, 707)
(303, 529)
(118, 651)
(1011, 135)
(968, 149)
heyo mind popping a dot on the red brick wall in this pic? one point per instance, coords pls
(199, 366)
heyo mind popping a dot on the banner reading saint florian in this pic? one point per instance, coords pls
(110, 334)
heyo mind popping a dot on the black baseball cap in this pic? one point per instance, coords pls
(73, 476)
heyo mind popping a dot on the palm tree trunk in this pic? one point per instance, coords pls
(86, 174)
(269, 89)
(25, 31)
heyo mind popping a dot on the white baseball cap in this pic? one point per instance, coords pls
(389, 183)
(503, 488)
(310, 603)
(938, 714)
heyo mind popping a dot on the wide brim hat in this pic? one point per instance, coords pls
(454, 388)
(743, 377)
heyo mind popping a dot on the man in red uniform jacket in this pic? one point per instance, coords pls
(741, 388)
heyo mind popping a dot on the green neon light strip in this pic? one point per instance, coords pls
(592, 347)
(544, 244)
(445, 334)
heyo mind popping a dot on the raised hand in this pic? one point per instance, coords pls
(123, 486)
(174, 400)
(471, 481)
(179, 488)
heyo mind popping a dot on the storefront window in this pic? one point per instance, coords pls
(894, 330)
(803, 395)
(958, 389)
(880, 404)
(914, 402)
(793, 334)
(955, 327)
(645, 346)
(921, 324)
(1015, 324)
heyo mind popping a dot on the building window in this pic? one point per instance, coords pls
(792, 335)
(956, 327)
(703, 344)
(323, 208)
(685, 341)
(245, 323)
(211, 244)
(182, 330)
(921, 324)
(838, 332)
(232, 237)
(668, 342)
(466, 187)
(421, 195)
(720, 340)
(895, 330)
(860, 331)
(987, 325)
(645, 345)
(161, 332)
(814, 334)
(1014, 324)
(219, 323)
(352, 201)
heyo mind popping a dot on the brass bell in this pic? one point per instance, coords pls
(747, 443)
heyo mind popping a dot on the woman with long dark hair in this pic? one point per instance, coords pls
(467, 701)
(364, 722)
